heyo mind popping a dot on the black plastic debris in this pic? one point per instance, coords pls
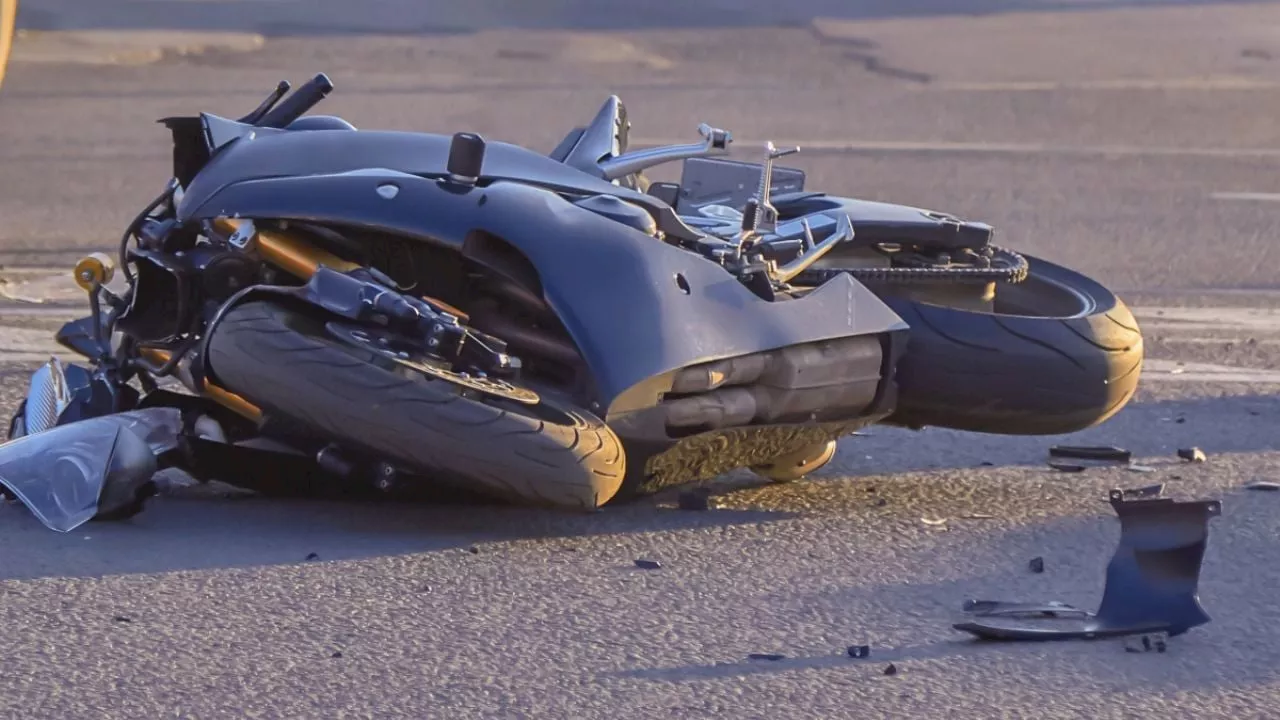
(1263, 485)
(1036, 565)
(648, 564)
(890, 669)
(312, 556)
(122, 619)
(1192, 454)
(696, 499)
(766, 656)
(473, 550)
(1108, 453)
(1066, 467)
(1148, 642)
(858, 652)
(336, 654)
(1152, 581)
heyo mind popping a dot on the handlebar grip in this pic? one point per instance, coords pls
(296, 105)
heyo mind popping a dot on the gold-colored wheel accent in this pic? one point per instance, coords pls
(796, 465)
(8, 18)
(94, 270)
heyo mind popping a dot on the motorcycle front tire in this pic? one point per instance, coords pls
(285, 362)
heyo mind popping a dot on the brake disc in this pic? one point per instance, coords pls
(383, 345)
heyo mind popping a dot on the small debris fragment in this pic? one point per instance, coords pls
(695, 500)
(312, 556)
(1140, 468)
(766, 656)
(978, 516)
(1192, 454)
(122, 619)
(1180, 420)
(1263, 485)
(648, 564)
(986, 463)
(1066, 467)
(931, 521)
(336, 654)
(881, 502)
(1036, 565)
(1108, 453)
(891, 669)
(1146, 643)
(858, 652)
(473, 550)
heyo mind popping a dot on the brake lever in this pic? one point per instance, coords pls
(252, 118)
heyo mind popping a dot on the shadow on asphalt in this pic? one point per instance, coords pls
(419, 17)
(182, 533)
(1076, 552)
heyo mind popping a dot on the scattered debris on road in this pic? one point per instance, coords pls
(122, 619)
(1108, 453)
(1192, 454)
(1146, 643)
(890, 669)
(312, 556)
(766, 656)
(1263, 485)
(859, 652)
(1066, 467)
(648, 564)
(1141, 468)
(1158, 594)
(934, 521)
(1036, 565)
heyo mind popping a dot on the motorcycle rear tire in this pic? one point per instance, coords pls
(284, 362)
(1059, 354)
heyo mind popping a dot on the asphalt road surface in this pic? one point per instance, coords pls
(1135, 141)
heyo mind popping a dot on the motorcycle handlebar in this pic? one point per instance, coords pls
(303, 99)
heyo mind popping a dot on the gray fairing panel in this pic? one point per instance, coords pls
(614, 288)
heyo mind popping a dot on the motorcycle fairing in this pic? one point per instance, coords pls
(71, 473)
(637, 308)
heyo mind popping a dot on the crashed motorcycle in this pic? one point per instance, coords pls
(311, 304)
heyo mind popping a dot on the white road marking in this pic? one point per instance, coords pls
(26, 345)
(1257, 320)
(1173, 371)
(850, 146)
(1246, 196)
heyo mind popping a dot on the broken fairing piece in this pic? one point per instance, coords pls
(1151, 584)
(91, 468)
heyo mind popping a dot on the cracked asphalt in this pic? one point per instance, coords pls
(1134, 141)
